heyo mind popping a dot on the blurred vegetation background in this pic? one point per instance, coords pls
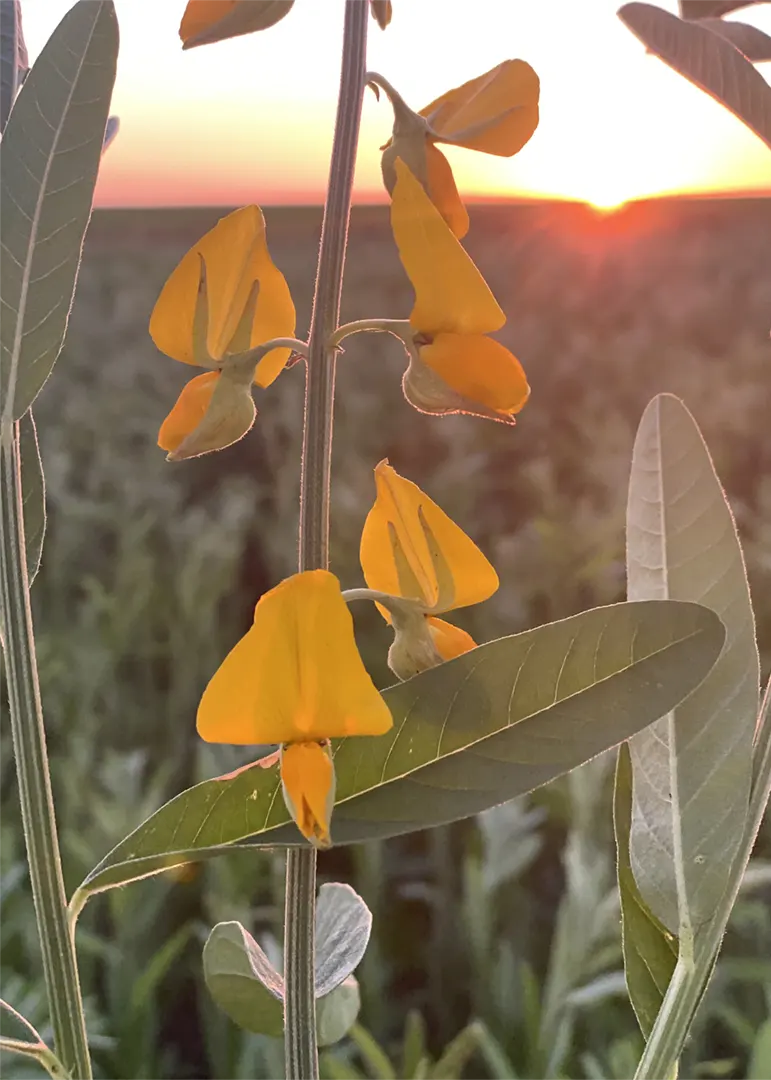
(495, 950)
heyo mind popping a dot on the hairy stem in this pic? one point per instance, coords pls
(29, 745)
(299, 934)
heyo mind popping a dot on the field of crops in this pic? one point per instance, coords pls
(151, 571)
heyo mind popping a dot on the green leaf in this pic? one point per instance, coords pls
(702, 9)
(242, 980)
(456, 1054)
(33, 490)
(650, 951)
(708, 60)
(474, 732)
(754, 43)
(414, 1048)
(760, 1062)
(14, 63)
(337, 1011)
(343, 924)
(243, 17)
(692, 769)
(246, 986)
(51, 149)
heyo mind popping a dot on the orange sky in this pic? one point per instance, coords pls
(250, 120)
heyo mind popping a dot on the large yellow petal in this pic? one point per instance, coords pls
(479, 368)
(450, 293)
(444, 192)
(411, 548)
(207, 21)
(450, 640)
(297, 675)
(237, 269)
(308, 782)
(188, 411)
(495, 113)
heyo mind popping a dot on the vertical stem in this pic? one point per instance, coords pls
(299, 934)
(29, 745)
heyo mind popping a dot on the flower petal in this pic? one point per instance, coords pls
(228, 417)
(207, 21)
(238, 270)
(450, 293)
(297, 675)
(495, 113)
(444, 192)
(188, 411)
(480, 369)
(450, 640)
(411, 548)
(308, 783)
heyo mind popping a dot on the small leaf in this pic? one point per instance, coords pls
(14, 63)
(692, 769)
(110, 131)
(650, 951)
(242, 980)
(760, 1062)
(754, 43)
(33, 494)
(337, 1011)
(51, 150)
(343, 924)
(208, 21)
(456, 1054)
(476, 731)
(708, 60)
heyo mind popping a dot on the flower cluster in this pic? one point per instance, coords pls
(296, 678)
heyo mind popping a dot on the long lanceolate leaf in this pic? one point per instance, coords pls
(14, 63)
(692, 770)
(474, 732)
(51, 149)
(707, 59)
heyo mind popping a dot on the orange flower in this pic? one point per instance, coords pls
(222, 301)
(412, 550)
(495, 113)
(454, 367)
(296, 678)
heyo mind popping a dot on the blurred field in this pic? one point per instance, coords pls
(151, 571)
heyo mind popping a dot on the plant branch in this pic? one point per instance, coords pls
(31, 756)
(299, 934)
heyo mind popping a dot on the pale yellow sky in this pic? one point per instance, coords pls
(250, 120)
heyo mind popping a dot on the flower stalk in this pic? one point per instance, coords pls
(31, 756)
(299, 934)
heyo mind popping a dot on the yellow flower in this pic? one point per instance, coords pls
(495, 113)
(454, 366)
(224, 299)
(296, 678)
(411, 549)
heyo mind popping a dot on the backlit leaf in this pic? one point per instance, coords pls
(51, 149)
(650, 951)
(692, 769)
(474, 732)
(708, 60)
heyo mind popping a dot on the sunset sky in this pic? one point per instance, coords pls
(251, 119)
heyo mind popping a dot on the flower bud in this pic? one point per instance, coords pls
(207, 21)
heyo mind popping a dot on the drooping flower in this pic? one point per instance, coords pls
(454, 366)
(296, 678)
(495, 113)
(412, 550)
(207, 21)
(222, 301)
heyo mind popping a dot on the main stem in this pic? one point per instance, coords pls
(299, 932)
(29, 744)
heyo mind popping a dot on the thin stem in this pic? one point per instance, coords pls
(692, 975)
(29, 744)
(398, 327)
(299, 933)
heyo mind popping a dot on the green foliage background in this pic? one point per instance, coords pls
(151, 571)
